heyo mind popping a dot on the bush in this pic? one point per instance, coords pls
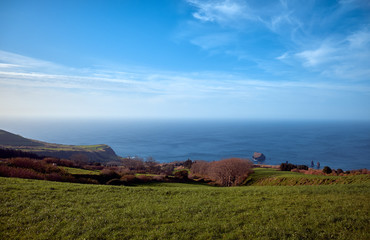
(188, 163)
(36, 165)
(287, 166)
(302, 167)
(326, 170)
(159, 178)
(128, 178)
(182, 174)
(144, 178)
(114, 181)
(59, 177)
(8, 171)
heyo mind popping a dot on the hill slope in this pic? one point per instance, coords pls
(32, 209)
(94, 153)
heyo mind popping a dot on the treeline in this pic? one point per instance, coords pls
(150, 166)
(325, 171)
(226, 172)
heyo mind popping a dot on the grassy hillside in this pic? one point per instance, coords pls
(32, 209)
(274, 177)
(10, 139)
(98, 153)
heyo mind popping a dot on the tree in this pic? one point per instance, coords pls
(226, 172)
(134, 164)
(200, 168)
(230, 172)
(152, 166)
(188, 163)
(326, 170)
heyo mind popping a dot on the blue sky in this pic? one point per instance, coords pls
(185, 59)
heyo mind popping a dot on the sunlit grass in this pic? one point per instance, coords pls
(81, 171)
(32, 209)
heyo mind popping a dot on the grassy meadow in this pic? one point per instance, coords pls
(80, 171)
(34, 209)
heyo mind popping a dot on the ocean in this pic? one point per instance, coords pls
(338, 144)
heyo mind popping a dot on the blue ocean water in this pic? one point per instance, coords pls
(343, 145)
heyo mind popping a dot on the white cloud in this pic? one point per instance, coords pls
(346, 58)
(213, 40)
(13, 60)
(283, 56)
(360, 39)
(323, 54)
(222, 11)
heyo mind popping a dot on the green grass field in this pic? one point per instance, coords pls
(32, 209)
(274, 177)
(80, 171)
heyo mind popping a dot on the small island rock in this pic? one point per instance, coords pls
(258, 156)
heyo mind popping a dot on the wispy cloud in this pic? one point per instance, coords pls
(33, 90)
(303, 40)
(222, 12)
(346, 57)
(139, 82)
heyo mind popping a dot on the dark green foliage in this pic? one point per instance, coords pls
(302, 167)
(287, 166)
(326, 170)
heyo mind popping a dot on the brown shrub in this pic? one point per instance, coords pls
(144, 178)
(159, 178)
(37, 165)
(182, 174)
(8, 171)
(128, 178)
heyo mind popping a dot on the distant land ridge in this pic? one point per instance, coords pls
(94, 153)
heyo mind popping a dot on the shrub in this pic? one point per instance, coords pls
(326, 170)
(109, 173)
(128, 178)
(167, 169)
(287, 166)
(188, 163)
(302, 167)
(159, 178)
(36, 165)
(114, 181)
(182, 174)
(144, 178)
(57, 177)
(8, 171)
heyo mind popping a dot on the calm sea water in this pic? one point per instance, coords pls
(343, 145)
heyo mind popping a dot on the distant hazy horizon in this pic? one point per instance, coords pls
(185, 59)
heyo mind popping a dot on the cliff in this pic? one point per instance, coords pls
(93, 153)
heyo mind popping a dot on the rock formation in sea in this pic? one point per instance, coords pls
(257, 156)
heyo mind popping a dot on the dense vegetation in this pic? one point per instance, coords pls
(33, 209)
